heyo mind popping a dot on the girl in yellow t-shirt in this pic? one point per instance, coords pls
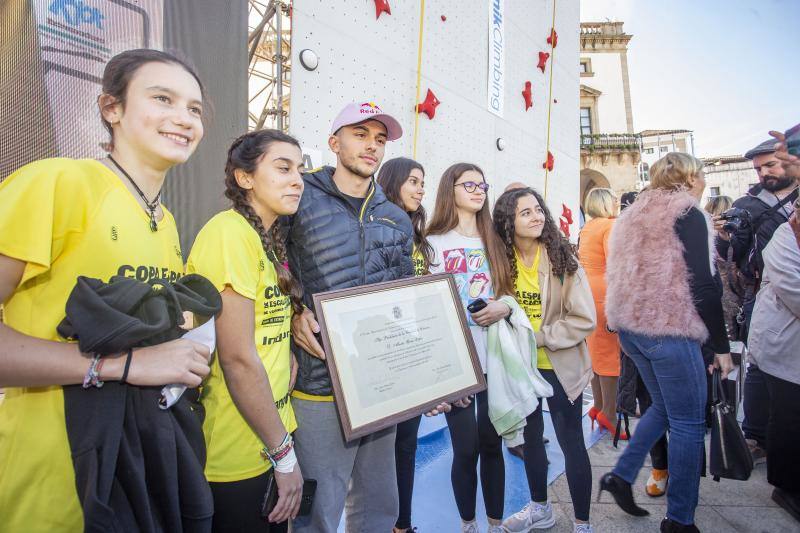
(249, 418)
(403, 182)
(64, 218)
(553, 290)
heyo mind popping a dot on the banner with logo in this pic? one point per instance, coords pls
(495, 81)
(72, 41)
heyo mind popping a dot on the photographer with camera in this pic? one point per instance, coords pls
(744, 231)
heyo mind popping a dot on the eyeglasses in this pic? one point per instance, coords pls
(470, 186)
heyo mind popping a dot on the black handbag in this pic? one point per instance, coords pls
(730, 457)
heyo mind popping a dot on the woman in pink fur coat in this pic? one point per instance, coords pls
(664, 299)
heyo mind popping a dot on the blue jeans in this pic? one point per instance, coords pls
(673, 371)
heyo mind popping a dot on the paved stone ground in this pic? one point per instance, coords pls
(727, 506)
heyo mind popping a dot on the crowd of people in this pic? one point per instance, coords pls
(637, 311)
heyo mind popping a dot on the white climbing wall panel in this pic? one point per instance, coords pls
(363, 59)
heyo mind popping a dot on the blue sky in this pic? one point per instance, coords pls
(727, 69)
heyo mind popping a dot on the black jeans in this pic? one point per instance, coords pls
(783, 434)
(405, 452)
(237, 507)
(472, 437)
(567, 421)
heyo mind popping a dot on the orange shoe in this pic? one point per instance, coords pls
(603, 420)
(593, 414)
(657, 483)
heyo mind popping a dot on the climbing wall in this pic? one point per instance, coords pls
(368, 51)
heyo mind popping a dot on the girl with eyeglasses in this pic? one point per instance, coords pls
(466, 245)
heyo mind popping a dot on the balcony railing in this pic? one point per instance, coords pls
(627, 142)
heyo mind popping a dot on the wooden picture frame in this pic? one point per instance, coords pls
(395, 350)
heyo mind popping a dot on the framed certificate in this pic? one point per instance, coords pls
(395, 350)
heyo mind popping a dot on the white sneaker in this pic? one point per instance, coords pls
(532, 516)
(469, 527)
(495, 529)
(583, 528)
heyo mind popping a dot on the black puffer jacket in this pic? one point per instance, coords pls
(331, 246)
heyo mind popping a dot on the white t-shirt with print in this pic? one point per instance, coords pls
(465, 258)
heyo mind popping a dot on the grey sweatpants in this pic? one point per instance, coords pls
(358, 477)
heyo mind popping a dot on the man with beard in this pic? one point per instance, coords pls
(768, 204)
(345, 234)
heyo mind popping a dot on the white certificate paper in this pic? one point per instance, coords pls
(397, 349)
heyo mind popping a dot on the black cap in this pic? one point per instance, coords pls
(767, 147)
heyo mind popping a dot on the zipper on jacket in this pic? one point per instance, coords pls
(361, 232)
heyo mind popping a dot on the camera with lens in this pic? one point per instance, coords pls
(735, 219)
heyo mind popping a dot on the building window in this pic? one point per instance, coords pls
(649, 150)
(586, 121)
(663, 149)
(586, 68)
(713, 191)
(644, 171)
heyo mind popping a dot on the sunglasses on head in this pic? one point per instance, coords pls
(470, 186)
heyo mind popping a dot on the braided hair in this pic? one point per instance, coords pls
(245, 153)
(559, 249)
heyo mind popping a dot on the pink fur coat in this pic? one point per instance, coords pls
(648, 280)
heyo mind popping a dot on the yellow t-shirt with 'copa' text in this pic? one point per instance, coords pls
(63, 218)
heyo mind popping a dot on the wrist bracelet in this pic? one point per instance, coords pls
(127, 366)
(92, 377)
(275, 455)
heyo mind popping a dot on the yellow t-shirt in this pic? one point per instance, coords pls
(228, 252)
(529, 298)
(64, 218)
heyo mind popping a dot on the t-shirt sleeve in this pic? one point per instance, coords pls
(706, 291)
(42, 203)
(226, 256)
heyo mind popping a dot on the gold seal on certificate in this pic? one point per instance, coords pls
(395, 350)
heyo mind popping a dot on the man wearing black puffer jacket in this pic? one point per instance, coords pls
(345, 233)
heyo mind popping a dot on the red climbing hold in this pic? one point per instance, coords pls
(553, 39)
(543, 57)
(564, 227)
(566, 213)
(444, 18)
(528, 96)
(382, 6)
(549, 163)
(429, 105)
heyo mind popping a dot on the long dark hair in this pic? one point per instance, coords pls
(559, 249)
(393, 174)
(245, 153)
(445, 218)
(121, 68)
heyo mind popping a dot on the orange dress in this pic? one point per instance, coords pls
(603, 346)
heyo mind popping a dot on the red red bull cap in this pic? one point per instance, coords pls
(356, 113)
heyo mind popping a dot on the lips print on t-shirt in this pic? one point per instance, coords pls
(471, 271)
(454, 261)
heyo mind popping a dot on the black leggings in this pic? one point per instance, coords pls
(237, 507)
(567, 422)
(405, 452)
(472, 438)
